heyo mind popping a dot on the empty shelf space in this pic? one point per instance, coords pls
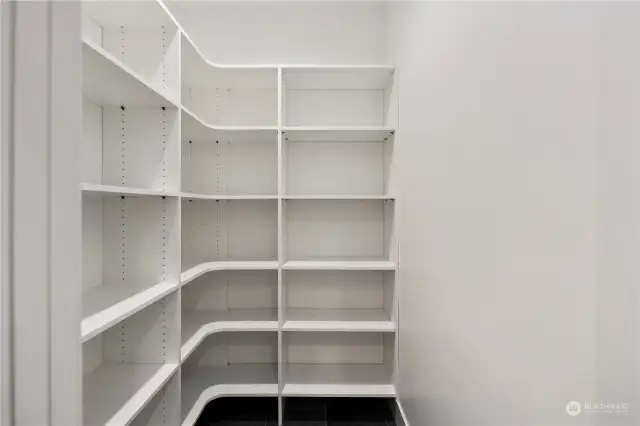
(231, 164)
(104, 306)
(337, 133)
(340, 265)
(203, 384)
(337, 164)
(229, 231)
(107, 81)
(340, 231)
(98, 189)
(338, 364)
(128, 244)
(125, 366)
(231, 96)
(229, 364)
(130, 150)
(201, 269)
(350, 97)
(196, 326)
(327, 380)
(338, 76)
(142, 37)
(115, 393)
(193, 127)
(374, 320)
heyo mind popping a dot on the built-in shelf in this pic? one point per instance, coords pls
(340, 265)
(335, 380)
(196, 326)
(193, 127)
(115, 393)
(107, 81)
(98, 189)
(337, 390)
(346, 320)
(201, 269)
(191, 196)
(203, 384)
(225, 165)
(104, 306)
(337, 133)
(338, 197)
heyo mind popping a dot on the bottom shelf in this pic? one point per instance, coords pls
(203, 384)
(115, 393)
(348, 380)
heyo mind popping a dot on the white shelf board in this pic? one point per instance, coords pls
(337, 77)
(194, 128)
(340, 265)
(187, 195)
(200, 73)
(98, 189)
(114, 394)
(201, 269)
(337, 134)
(345, 320)
(104, 306)
(329, 390)
(196, 326)
(203, 384)
(338, 197)
(326, 380)
(106, 81)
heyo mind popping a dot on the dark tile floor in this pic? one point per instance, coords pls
(298, 412)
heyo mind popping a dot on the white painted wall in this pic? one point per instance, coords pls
(504, 214)
(618, 348)
(286, 32)
(519, 211)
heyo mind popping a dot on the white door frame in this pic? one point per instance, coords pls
(40, 214)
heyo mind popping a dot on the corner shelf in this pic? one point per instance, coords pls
(238, 225)
(204, 384)
(197, 326)
(201, 269)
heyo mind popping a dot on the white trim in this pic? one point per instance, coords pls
(65, 253)
(45, 108)
(5, 221)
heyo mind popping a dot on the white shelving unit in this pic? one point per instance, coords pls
(238, 225)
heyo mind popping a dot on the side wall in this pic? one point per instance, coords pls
(498, 211)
